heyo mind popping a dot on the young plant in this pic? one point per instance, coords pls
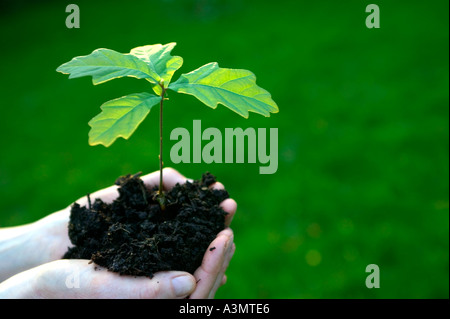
(212, 85)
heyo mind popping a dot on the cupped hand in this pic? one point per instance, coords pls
(56, 278)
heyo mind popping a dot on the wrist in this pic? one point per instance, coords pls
(28, 246)
(20, 286)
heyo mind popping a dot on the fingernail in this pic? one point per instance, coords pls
(229, 244)
(183, 285)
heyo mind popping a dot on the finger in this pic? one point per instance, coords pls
(171, 177)
(211, 267)
(108, 195)
(224, 280)
(81, 279)
(217, 185)
(218, 283)
(229, 205)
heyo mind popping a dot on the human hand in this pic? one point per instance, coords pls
(50, 279)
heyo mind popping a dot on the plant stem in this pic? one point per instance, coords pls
(160, 198)
(161, 140)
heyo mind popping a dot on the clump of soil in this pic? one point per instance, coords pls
(133, 236)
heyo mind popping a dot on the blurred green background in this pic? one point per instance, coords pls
(363, 132)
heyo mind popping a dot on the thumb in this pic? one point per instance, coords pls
(70, 279)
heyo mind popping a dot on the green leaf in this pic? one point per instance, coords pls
(160, 61)
(104, 65)
(236, 89)
(120, 117)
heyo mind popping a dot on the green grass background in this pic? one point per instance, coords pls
(363, 132)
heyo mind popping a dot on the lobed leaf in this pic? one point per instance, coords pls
(120, 117)
(160, 61)
(236, 89)
(104, 65)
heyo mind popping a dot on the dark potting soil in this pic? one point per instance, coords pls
(133, 236)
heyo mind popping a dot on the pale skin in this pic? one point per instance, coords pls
(31, 264)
